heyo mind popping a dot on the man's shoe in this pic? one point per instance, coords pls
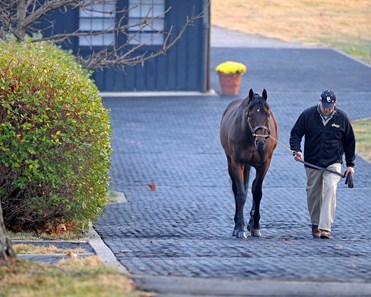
(315, 232)
(325, 234)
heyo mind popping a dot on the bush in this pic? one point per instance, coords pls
(54, 138)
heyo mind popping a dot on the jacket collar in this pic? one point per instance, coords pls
(323, 117)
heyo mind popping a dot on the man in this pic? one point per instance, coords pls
(328, 135)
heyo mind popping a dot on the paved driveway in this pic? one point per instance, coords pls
(183, 228)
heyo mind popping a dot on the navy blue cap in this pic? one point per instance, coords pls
(328, 99)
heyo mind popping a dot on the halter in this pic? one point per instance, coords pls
(261, 135)
(253, 130)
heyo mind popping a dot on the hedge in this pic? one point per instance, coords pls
(55, 136)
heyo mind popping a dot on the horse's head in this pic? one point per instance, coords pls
(257, 116)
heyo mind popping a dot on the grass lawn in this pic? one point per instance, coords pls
(75, 277)
(345, 25)
(362, 130)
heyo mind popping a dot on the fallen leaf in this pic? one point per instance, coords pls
(71, 254)
(61, 228)
(69, 225)
(17, 228)
(152, 186)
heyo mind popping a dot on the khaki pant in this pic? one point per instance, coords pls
(321, 195)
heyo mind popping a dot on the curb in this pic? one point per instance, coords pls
(188, 286)
(103, 252)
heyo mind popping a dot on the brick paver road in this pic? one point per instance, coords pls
(184, 227)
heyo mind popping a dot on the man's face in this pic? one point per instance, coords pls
(326, 111)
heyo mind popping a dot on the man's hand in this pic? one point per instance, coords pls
(298, 156)
(350, 170)
(349, 177)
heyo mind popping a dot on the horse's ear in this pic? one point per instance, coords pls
(265, 96)
(251, 94)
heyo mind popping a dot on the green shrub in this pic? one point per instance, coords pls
(55, 134)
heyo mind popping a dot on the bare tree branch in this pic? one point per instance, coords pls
(19, 17)
(48, 6)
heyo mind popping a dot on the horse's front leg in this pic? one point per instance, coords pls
(257, 193)
(238, 174)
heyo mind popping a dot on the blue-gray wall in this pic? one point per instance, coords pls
(185, 67)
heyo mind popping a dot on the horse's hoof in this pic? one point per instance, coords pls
(256, 233)
(241, 234)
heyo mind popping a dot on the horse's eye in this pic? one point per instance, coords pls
(268, 114)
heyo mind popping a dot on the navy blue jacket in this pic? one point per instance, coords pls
(324, 145)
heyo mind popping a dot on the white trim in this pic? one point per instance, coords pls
(156, 94)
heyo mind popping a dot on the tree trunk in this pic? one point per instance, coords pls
(6, 249)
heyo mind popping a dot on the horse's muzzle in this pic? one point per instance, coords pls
(265, 136)
(260, 144)
(261, 139)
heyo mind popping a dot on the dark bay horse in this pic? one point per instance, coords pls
(248, 133)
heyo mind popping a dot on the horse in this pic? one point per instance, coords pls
(248, 135)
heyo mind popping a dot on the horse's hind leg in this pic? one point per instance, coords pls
(234, 189)
(246, 176)
(254, 226)
(251, 221)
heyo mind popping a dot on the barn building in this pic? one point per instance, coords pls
(185, 66)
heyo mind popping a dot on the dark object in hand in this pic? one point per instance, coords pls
(349, 181)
